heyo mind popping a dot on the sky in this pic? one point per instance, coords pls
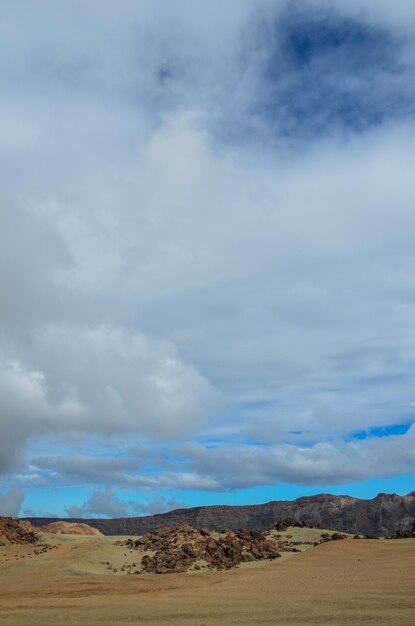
(207, 253)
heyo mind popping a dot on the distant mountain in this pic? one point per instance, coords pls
(381, 516)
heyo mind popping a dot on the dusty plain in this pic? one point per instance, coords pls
(341, 582)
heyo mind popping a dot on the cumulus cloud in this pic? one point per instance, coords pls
(218, 468)
(101, 504)
(158, 505)
(99, 380)
(107, 504)
(206, 232)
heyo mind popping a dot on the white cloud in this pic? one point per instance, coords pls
(165, 277)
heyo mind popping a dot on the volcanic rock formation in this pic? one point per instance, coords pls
(185, 548)
(14, 531)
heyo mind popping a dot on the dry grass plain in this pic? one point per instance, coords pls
(342, 582)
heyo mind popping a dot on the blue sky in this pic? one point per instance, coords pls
(206, 253)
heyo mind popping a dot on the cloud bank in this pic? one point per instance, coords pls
(206, 244)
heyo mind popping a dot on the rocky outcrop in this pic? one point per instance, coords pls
(12, 531)
(332, 537)
(176, 550)
(289, 523)
(382, 516)
(184, 548)
(404, 534)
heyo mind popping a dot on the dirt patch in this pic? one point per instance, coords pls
(338, 582)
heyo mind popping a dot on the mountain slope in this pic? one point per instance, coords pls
(382, 516)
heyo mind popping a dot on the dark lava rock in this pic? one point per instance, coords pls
(289, 523)
(405, 534)
(185, 548)
(337, 537)
(333, 537)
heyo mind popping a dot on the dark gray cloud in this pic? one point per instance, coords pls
(325, 463)
(32, 255)
(11, 502)
(121, 472)
(88, 469)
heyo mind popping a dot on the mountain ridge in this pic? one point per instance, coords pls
(382, 515)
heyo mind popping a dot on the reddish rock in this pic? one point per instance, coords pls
(12, 531)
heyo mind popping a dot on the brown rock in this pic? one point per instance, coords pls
(12, 531)
(67, 528)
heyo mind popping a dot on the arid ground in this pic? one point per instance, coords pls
(341, 582)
